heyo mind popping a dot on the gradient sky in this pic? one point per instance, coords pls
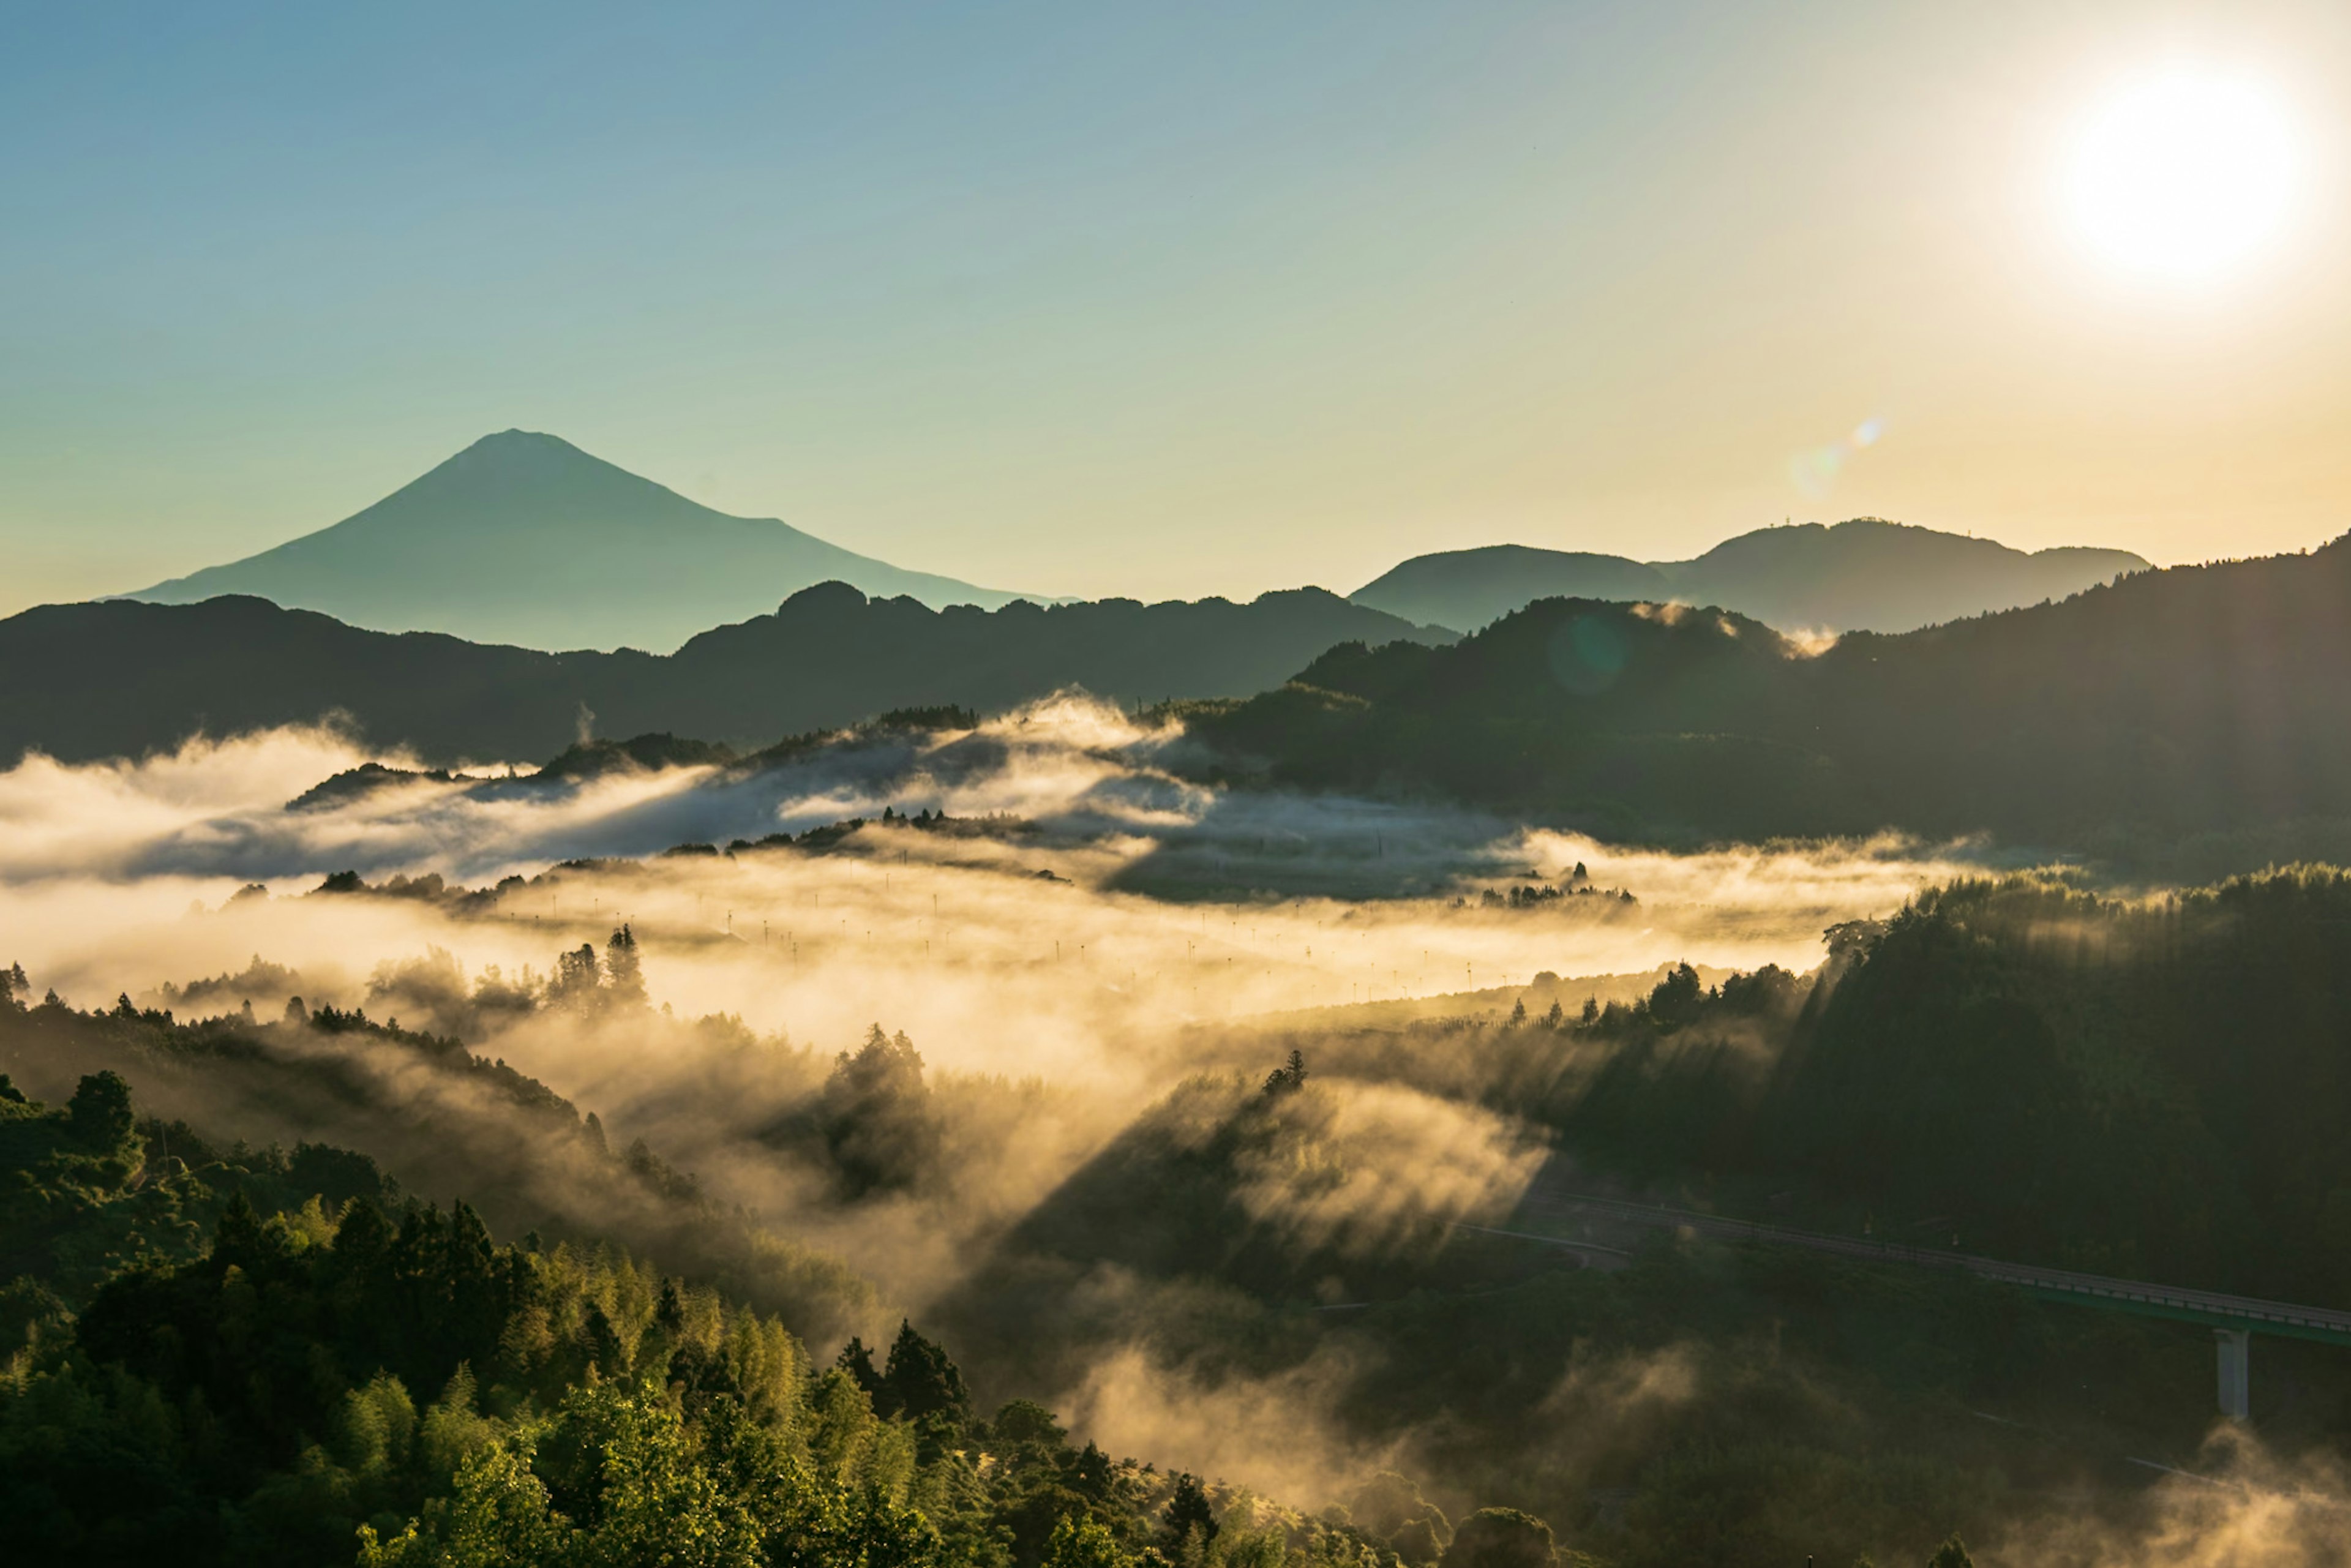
(1172, 300)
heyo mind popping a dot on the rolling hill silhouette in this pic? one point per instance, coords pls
(123, 677)
(2187, 701)
(524, 539)
(1862, 575)
(2174, 707)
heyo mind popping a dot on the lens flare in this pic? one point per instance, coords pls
(1815, 469)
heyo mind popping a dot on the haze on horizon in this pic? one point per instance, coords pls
(1175, 304)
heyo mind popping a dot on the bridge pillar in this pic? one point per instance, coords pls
(2236, 1372)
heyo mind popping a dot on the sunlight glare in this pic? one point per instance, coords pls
(2180, 177)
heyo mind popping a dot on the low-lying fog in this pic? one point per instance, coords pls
(1026, 944)
(1082, 932)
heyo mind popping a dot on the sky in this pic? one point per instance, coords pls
(1156, 301)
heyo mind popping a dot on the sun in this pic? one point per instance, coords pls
(2181, 177)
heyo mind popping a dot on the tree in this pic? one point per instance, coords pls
(1501, 1538)
(1026, 1421)
(578, 983)
(1190, 1517)
(1676, 999)
(875, 1115)
(500, 1514)
(1290, 1077)
(602, 1341)
(1952, 1553)
(1082, 1542)
(858, 1362)
(100, 1110)
(624, 972)
(920, 1380)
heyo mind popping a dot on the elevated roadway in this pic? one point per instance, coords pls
(1544, 1211)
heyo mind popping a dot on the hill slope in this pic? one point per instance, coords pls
(121, 678)
(525, 539)
(1861, 575)
(2197, 699)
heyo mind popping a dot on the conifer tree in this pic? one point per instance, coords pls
(624, 973)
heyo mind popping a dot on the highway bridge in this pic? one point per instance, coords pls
(1543, 1212)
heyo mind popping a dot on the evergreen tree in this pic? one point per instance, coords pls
(578, 983)
(920, 1380)
(625, 975)
(875, 1116)
(1290, 1077)
(1191, 1519)
(858, 1362)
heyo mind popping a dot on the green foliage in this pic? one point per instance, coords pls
(467, 1123)
(2148, 1088)
(252, 1404)
(1080, 1542)
(87, 1191)
(2130, 1085)
(1189, 1522)
(920, 1382)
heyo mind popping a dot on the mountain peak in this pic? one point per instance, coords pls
(503, 442)
(524, 537)
(528, 452)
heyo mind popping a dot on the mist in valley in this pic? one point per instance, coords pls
(983, 1027)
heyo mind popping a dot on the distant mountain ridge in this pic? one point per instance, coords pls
(121, 678)
(1863, 575)
(524, 539)
(2184, 702)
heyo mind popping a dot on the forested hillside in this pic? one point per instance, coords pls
(2154, 1087)
(2175, 703)
(217, 1353)
(531, 1349)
